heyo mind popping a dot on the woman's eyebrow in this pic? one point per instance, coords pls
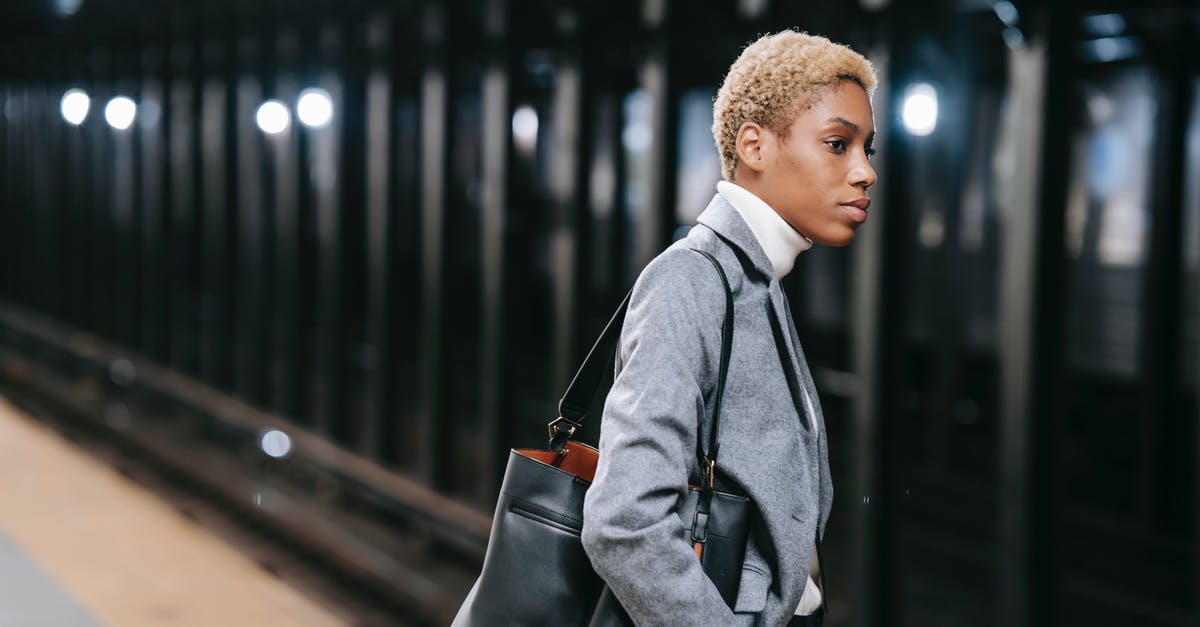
(851, 126)
(844, 122)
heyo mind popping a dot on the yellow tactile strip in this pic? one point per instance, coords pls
(126, 556)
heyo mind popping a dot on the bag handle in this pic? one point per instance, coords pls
(572, 409)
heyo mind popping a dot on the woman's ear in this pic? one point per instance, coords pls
(750, 141)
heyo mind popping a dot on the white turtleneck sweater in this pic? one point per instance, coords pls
(782, 244)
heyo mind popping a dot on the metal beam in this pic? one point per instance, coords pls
(1192, 197)
(78, 209)
(433, 206)
(1018, 253)
(379, 204)
(249, 361)
(603, 173)
(43, 256)
(325, 182)
(153, 341)
(496, 132)
(100, 263)
(124, 231)
(6, 188)
(180, 246)
(564, 195)
(214, 306)
(1162, 299)
(866, 412)
(285, 308)
(652, 77)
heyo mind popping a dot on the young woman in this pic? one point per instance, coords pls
(793, 124)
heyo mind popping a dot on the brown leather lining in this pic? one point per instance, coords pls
(577, 459)
(580, 460)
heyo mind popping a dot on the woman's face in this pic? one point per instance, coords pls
(817, 178)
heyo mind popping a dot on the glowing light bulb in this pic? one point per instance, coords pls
(74, 106)
(314, 108)
(275, 443)
(119, 112)
(920, 109)
(272, 117)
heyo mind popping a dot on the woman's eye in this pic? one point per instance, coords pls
(836, 144)
(870, 152)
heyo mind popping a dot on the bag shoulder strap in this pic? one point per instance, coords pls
(572, 409)
(708, 454)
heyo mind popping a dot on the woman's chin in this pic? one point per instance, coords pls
(836, 238)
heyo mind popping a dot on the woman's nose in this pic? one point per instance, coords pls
(862, 175)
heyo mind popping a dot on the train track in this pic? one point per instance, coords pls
(371, 545)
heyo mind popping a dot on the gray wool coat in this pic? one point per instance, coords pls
(666, 372)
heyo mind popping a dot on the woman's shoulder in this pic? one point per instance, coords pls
(681, 278)
(684, 262)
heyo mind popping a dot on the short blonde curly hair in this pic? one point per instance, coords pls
(774, 79)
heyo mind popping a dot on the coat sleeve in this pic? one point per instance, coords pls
(670, 345)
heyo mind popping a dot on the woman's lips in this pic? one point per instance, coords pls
(857, 209)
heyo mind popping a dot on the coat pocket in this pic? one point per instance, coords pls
(752, 591)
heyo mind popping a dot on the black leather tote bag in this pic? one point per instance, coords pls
(535, 571)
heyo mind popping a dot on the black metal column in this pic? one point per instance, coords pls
(433, 205)
(250, 343)
(869, 278)
(1017, 327)
(497, 126)
(378, 220)
(154, 332)
(214, 302)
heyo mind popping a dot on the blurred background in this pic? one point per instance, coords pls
(314, 267)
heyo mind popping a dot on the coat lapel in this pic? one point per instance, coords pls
(798, 385)
(721, 217)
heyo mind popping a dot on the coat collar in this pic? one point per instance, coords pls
(721, 217)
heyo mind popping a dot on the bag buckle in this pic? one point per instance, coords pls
(552, 427)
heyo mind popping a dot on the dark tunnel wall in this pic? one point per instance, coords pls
(1007, 356)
